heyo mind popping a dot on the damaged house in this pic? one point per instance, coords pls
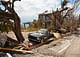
(46, 22)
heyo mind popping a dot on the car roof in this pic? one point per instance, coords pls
(44, 29)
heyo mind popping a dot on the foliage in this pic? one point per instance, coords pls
(4, 27)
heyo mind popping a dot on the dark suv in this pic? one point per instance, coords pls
(40, 36)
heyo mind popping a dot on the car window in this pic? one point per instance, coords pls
(42, 31)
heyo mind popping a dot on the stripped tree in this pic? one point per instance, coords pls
(65, 12)
(10, 17)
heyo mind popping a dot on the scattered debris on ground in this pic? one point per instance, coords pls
(51, 48)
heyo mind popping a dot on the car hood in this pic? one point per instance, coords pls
(37, 34)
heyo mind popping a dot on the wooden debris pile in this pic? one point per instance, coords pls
(11, 46)
(11, 18)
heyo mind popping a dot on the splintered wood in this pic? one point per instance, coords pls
(35, 46)
(15, 50)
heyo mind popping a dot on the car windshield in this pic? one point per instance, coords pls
(42, 31)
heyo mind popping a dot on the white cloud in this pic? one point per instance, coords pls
(69, 5)
(29, 9)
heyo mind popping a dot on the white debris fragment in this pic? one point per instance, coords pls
(8, 54)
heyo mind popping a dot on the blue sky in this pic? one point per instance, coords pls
(30, 9)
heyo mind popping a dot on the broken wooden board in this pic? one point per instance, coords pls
(57, 35)
(15, 50)
(35, 46)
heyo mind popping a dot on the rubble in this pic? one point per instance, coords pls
(39, 50)
(3, 39)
